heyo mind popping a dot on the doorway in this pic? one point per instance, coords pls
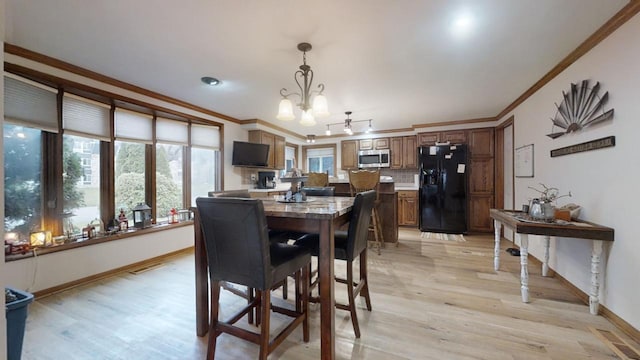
(505, 194)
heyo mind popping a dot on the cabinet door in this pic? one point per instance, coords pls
(397, 155)
(278, 160)
(428, 139)
(481, 176)
(349, 156)
(481, 142)
(381, 143)
(407, 208)
(410, 151)
(454, 137)
(479, 219)
(366, 144)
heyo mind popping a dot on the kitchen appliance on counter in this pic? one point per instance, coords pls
(443, 188)
(373, 158)
(266, 179)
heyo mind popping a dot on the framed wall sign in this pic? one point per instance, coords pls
(524, 161)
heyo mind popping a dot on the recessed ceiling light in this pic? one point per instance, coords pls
(211, 81)
(462, 25)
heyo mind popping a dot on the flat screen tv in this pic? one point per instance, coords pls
(250, 154)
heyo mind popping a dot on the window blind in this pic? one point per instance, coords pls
(85, 117)
(30, 104)
(172, 131)
(205, 136)
(320, 152)
(133, 126)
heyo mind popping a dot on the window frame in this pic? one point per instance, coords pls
(306, 148)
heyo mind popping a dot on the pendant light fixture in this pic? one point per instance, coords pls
(304, 80)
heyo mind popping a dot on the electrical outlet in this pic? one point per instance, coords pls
(254, 177)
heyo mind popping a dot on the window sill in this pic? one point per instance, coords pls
(97, 240)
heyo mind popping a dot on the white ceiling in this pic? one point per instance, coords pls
(398, 62)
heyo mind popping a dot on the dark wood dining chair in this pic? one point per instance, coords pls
(349, 245)
(365, 180)
(239, 251)
(319, 190)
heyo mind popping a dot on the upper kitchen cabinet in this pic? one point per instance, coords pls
(276, 147)
(374, 144)
(349, 154)
(404, 152)
(481, 142)
(431, 138)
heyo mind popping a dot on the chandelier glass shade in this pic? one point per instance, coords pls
(304, 79)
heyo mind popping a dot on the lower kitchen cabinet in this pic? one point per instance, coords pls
(408, 208)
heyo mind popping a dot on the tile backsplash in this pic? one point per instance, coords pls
(400, 176)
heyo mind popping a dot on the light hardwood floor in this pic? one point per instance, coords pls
(432, 299)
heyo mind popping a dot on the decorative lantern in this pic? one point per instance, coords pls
(184, 215)
(40, 238)
(141, 216)
(173, 216)
(98, 226)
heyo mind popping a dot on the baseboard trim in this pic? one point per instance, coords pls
(144, 263)
(619, 322)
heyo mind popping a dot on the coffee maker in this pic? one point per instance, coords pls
(266, 179)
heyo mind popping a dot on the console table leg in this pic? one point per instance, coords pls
(545, 258)
(524, 270)
(496, 249)
(595, 277)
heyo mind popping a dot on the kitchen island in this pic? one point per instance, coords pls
(388, 205)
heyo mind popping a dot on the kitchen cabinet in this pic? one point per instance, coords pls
(408, 208)
(453, 136)
(276, 147)
(349, 154)
(481, 142)
(404, 152)
(374, 144)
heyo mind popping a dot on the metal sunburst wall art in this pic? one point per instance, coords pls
(581, 107)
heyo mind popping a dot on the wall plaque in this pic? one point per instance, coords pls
(604, 142)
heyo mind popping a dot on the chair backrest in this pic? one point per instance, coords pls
(236, 240)
(359, 223)
(363, 180)
(230, 193)
(319, 191)
(316, 179)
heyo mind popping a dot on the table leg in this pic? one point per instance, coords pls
(202, 280)
(595, 277)
(545, 258)
(496, 248)
(524, 270)
(326, 289)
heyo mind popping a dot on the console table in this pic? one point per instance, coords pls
(574, 229)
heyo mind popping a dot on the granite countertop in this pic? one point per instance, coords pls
(335, 180)
(406, 186)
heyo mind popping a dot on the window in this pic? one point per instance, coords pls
(321, 160)
(22, 190)
(100, 159)
(81, 159)
(205, 142)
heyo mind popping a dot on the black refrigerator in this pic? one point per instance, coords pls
(443, 189)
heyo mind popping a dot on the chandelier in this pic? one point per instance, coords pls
(347, 125)
(304, 80)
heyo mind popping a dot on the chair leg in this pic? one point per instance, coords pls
(250, 297)
(352, 302)
(213, 321)
(285, 288)
(265, 310)
(377, 234)
(364, 292)
(304, 292)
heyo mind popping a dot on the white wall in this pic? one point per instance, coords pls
(49, 270)
(604, 182)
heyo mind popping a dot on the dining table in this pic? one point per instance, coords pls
(320, 215)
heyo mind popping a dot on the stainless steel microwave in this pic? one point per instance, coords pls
(373, 158)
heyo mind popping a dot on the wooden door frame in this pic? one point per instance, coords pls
(499, 156)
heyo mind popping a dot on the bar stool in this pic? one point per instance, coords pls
(365, 180)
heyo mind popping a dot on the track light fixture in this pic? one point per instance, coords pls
(347, 125)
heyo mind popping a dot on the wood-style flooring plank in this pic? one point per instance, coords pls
(432, 299)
